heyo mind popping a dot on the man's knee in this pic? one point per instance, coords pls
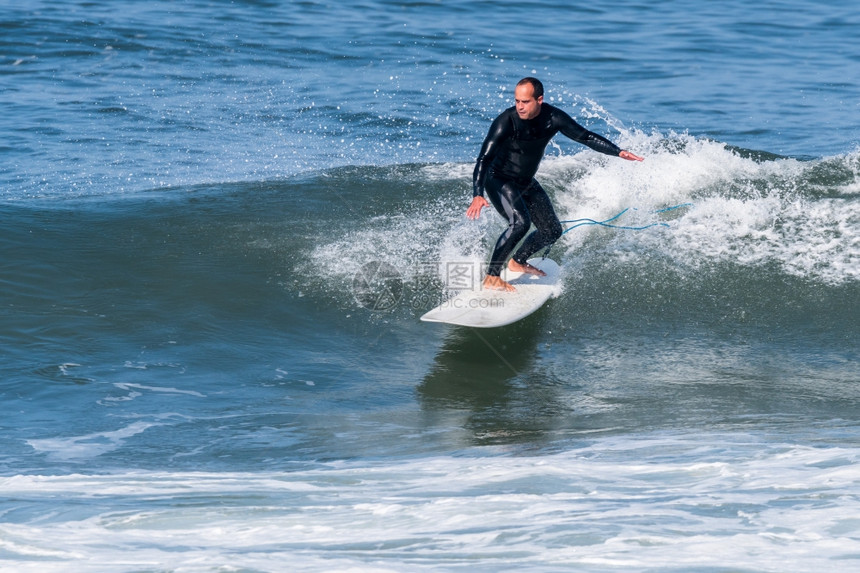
(519, 224)
(555, 232)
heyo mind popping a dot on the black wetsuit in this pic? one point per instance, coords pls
(506, 166)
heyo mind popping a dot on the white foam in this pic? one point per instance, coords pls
(89, 445)
(410, 241)
(658, 502)
(161, 389)
(742, 210)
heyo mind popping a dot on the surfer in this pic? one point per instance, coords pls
(507, 163)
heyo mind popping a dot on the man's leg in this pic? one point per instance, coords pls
(547, 226)
(507, 198)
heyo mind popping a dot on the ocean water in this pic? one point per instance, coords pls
(221, 222)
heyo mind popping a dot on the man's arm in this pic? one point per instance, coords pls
(576, 132)
(500, 130)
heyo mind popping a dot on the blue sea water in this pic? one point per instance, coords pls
(203, 369)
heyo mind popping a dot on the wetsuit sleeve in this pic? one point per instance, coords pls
(576, 132)
(500, 130)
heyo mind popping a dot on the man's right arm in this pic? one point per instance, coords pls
(500, 130)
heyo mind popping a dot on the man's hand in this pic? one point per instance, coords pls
(474, 210)
(629, 156)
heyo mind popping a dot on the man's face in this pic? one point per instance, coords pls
(528, 107)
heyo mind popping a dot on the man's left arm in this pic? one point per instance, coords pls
(570, 128)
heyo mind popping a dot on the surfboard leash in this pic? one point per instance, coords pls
(576, 223)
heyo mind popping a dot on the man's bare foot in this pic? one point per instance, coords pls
(496, 283)
(525, 268)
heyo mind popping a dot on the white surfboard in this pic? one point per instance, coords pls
(490, 308)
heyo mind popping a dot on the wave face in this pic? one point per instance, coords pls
(753, 267)
(706, 232)
(736, 239)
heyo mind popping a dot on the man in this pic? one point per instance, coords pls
(509, 159)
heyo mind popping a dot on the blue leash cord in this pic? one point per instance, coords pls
(606, 222)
